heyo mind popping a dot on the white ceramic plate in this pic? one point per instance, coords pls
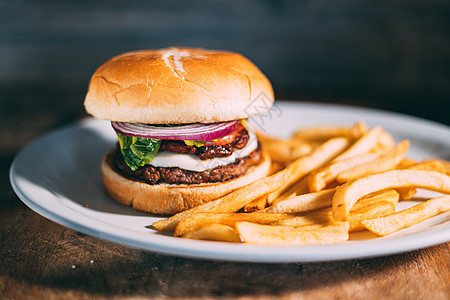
(58, 176)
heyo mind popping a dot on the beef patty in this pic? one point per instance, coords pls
(174, 175)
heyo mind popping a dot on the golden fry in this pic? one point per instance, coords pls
(287, 151)
(384, 162)
(446, 165)
(339, 146)
(265, 139)
(385, 140)
(303, 202)
(292, 181)
(366, 143)
(319, 179)
(214, 232)
(391, 223)
(327, 132)
(298, 188)
(275, 167)
(257, 204)
(347, 194)
(321, 217)
(324, 216)
(407, 193)
(391, 196)
(287, 235)
(378, 209)
(429, 165)
(405, 163)
(198, 220)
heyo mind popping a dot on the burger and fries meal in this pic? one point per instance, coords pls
(185, 149)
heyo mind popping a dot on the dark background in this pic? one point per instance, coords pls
(393, 55)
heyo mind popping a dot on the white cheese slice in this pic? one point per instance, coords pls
(191, 162)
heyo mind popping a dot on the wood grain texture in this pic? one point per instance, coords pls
(41, 259)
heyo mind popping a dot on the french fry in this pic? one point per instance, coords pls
(265, 139)
(347, 194)
(324, 216)
(320, 216)
(446, 165)
(385, 140)
(391, 196)
(263, 201)
(298, 188)
(367, 142)
(391, 223)
(214, 232)
(237, 199)
(328, 132)
(406, 163)
(199, 220)
(257, 204)
(287, 235)
(286, 151)
(275, 167)
(378, 209)
(432, 165)
(354, 156)
(277, 193)
(429, 165)
(407, 192)
(318, 179)
(332, 185)
(231, 202)
(384, 162)
(303, 202)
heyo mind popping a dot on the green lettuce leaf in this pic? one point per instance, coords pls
(138, 151)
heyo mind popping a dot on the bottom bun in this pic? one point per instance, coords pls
(171, 198)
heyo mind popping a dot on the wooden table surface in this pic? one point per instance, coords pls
(40, 259)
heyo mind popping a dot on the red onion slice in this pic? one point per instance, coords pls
(191, 132)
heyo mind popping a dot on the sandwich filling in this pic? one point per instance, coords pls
(181, 162)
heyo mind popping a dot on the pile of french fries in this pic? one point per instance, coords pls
(325, 182)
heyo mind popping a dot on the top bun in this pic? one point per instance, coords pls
(178, 86)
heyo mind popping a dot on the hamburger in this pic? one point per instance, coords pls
(180, 117)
